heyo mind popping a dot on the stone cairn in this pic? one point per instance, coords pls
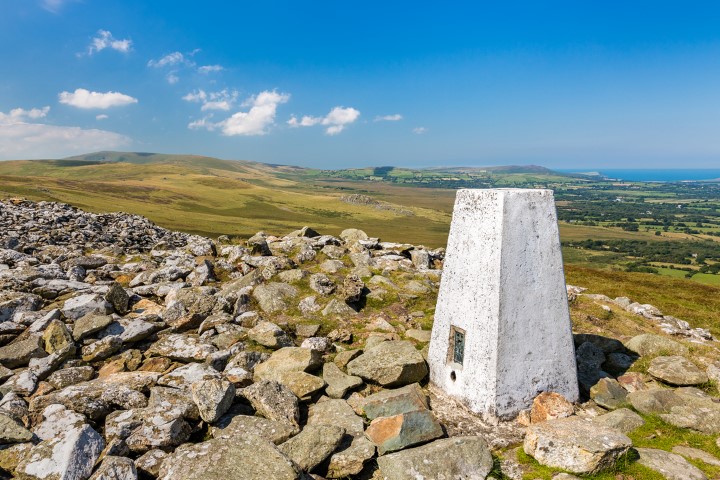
(128, 351)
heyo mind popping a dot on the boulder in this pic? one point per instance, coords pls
(295, 359)
(669, 465)
(394, 433)
(269, 335)
(313, 445)
(249, 458)
(651, 344)
(118, 298)
(451, 458)
(608, 393)
(338, 383)
(148, 464)
(336, 412)
(676, 370)
(56, 336)
(12, 431)
(351, 459)
(575, 444)
(18, 354)
(77, 307)
(274, 297)
(387, 403)
(70, 455)
(116, 468)
(182, 347)
(101, 349)
(390, 364)
(241, 426)
(322, 284)
(213, 398)
(622, 419)
(658, 400)
(90, 324)
(273, 401)
(696, 454)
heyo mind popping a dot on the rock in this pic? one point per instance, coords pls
(273, 401)
(312, 445)
(696, 454)
(213, 398)
(130, 330)
(351, 459)
(589, 360)
(622, 420)
(618, 363)
(69, 456)
(241, 426)
(56, 337)
(249, 458)
(388, 403)
(338, 308)
(183, 377)
(303, 385)
(322, 284)
(12, 431)
(118, 298)
(296, 359)
(550, 406)
(338, 383)
(676, 370)
(179, 402)
(394, 433)
(240, 369)
(320, 344)
(149, 463)
(116, 468)
(344, 357)
(632, 381)
(336, 412)
(18, 354)
(307, 330)
(670, 465)
(608, 393)
(269, 335)
(274, 297)
(654, 401)
(422, 336)
(150, 429)
(12, 455)
(451, 458)
(352, 288)
(181, 347)
(77, 307)
(89, 324)
(650, 344)
(101, 349)
(575, 444)
(390, 364)
(696, 410)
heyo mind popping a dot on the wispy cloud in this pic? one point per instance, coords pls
(389, 118)
(22, 137)
(260, 116)
(102, 116)
(82, 98)
(335, 121)
(53, 6)
(223, 100)
(104, 39)
(419, 130)
(169, 60)
(205, 69)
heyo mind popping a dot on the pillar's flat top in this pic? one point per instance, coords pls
(507, 190)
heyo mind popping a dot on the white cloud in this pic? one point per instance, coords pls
(102, 116)
(82, 98)
(389, 118)
(172, 78)
(335, 121)
(20, 115)
(222, 100)
(19, 139)
(205, 69)
(174, 58)
(104, 39)
(53, 6)
(255, 121)
(419, 130)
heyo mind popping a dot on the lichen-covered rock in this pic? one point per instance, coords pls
(249, 458)
(313, 445)
(622, 420)
(350, 460)
(11, 431)
(575, 444)
(670, 465)
(651, 344)
(185, 348)
(274, 297)
(18, 354)
(269, 335)
(390, 364)
(89, 324)
(213, 398)
(676, 370)
(77, 307)
(69, 456)
(458, 457)
(101, 349)
(115, 468)
(273, 401)
(336, 412)
(338, 383)
(149, 463)
(608, 393)
(240, 426)
(549, 406)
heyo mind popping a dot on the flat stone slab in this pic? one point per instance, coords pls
(575, 444)
(651, 344)
(670, 465)
(394, 433)
(390, 364)
(676, 370)
(622, 419)
(387, 403)
(451, 458)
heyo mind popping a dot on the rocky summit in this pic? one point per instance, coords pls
(128, 351)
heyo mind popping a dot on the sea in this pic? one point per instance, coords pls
(653, 175)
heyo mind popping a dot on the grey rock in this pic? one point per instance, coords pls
(182, 347)
(351, 459)
(670, 465)
(118, 298)
(183, 377)
(12, 431)
(273, 401)
(394, 433)
(213, 398)
(116, 468)
(241, 426)
(654, 401)
(149, 462)
(390, 364)
(336, 307)
(696, 454)
(77, 307)
(18, 354)
(322, 284)
(249, 458)
(650, 344)
(622, 420)
(388, 403)
(313, 445)
(608, 393)
(274, 296)
(575, 444)
(338, 383)
(89, 324)
(336, 412)
(676, 370)
(457, 458)
(101, 349)
(269, 335)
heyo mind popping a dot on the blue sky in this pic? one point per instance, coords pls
(348, 84)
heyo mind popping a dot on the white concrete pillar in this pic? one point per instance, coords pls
(502, 330)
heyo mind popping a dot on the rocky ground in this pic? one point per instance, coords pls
(128, 351)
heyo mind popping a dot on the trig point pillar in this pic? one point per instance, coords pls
(502, 330)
